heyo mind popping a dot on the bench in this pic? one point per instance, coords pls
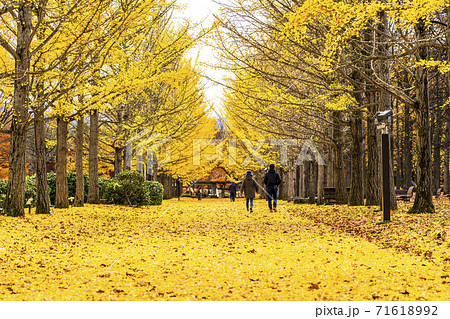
(439, 193)
(27, 204)
(329, 194)
(403, 194)
(300, 200)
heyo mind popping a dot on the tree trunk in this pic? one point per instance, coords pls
(320, 181)
(62, 189)
(447, 113)
(93, 193)
(447, 157)
(385, 103)
(437, 150)
(291, 180)
(348, 171)
(295, 181)
(15, 194)
(306, 179)
(118, 149)
(356, 189)
(397, 152)
(42, 200)
(312, 182)
(339, 171)
(124, 162)
(330, 166)
(79, 196)
(282, 188)
(407, 149)
(373, 192)
(424, 199)
(118, 157)
(373, 195)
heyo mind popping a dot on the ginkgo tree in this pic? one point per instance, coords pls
(278, 85)
(56, 44)
(409, 37)
(156, 90)
(342, 52)
(173, 108)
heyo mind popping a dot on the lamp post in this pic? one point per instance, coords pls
(383, 120)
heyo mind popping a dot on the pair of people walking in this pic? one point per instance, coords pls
(249, 186)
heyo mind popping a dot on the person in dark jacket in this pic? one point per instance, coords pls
(232, 190)
(272, 180)
(249, 187)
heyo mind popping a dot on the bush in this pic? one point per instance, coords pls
(71, 182)
(103, 183)
(3, 188)
(110, 191)
(156, 192)
(51, 182)
(130, 188)
(30, 189)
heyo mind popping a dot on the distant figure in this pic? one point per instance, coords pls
(232, 190)
(272, 180)
(249, 187)
(199, 195)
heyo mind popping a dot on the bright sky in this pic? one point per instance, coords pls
(198, 11)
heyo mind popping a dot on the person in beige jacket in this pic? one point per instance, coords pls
(249, 187)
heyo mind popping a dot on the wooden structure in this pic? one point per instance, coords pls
(172, 186)
(214, 185)
(329, 194)
(403, 194)
(439, 194)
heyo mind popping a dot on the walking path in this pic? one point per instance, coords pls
(202, 250)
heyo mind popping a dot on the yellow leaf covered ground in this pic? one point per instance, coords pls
(203, 250)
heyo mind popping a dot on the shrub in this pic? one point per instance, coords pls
(3, 188)
(156, 192)
(111, 192)
(30, 189)
(71, 182)
(103, 186)
(51, 182)
(130, 188)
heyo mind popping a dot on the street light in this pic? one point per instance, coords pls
(383, 120)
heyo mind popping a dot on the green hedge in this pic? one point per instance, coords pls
(30, 188)
(156, 192)
(71, 182)
(3, 188)
(128, 188)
